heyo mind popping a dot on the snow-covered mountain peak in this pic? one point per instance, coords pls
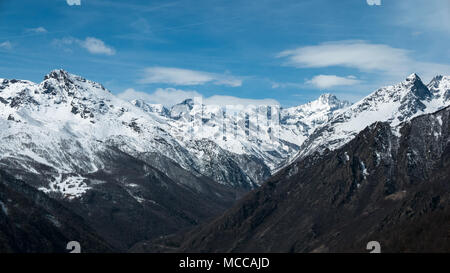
(399, 101)
(440, 87)
(435, 82)
(318, 109)
(182, 110)
(417, 87)
(327, 98)
(331, 101)
(58, 74)
(413, 77)
(60, 82)
(60, 99)
(326, 102)
(151, 108)
(300, 121)
(394, 104)
(189, 102)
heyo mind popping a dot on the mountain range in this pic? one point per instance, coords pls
(131, 172)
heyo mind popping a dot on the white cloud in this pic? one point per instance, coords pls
(6, 45)
(97, 46)
(328, 81)
(178, 76)
(73, 2)
(363, 56)
(91, 44)
(352, 54)
(171, 96)
(37, 30)
(374, 2)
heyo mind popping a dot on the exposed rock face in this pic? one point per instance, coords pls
(382, 186)
(131, 200)
(30, 221)
(128, 200)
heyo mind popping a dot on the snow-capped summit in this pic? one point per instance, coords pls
(393, 104)
(413, 77)
(182, 110)
(58, 74)
(151, 108)
(58, 90)
(304, 119)
(417, 87)
(69, 84)
(328, 102)
(440, 87)
(332, 101)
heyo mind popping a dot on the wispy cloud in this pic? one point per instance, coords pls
(73, 2)
(97, 46)
(361, 55)
(6, 45)
(328, 81)
(37, 30)
(374, 2)
(171, 96)
(352, 54)
(179, 76)
(91, 44)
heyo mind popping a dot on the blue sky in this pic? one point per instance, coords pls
(288, 51)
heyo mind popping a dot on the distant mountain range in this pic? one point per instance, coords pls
(134, 171)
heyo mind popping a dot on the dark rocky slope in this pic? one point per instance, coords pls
(30, 221)
(381, 186)
(128, 201)
(131, 201)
